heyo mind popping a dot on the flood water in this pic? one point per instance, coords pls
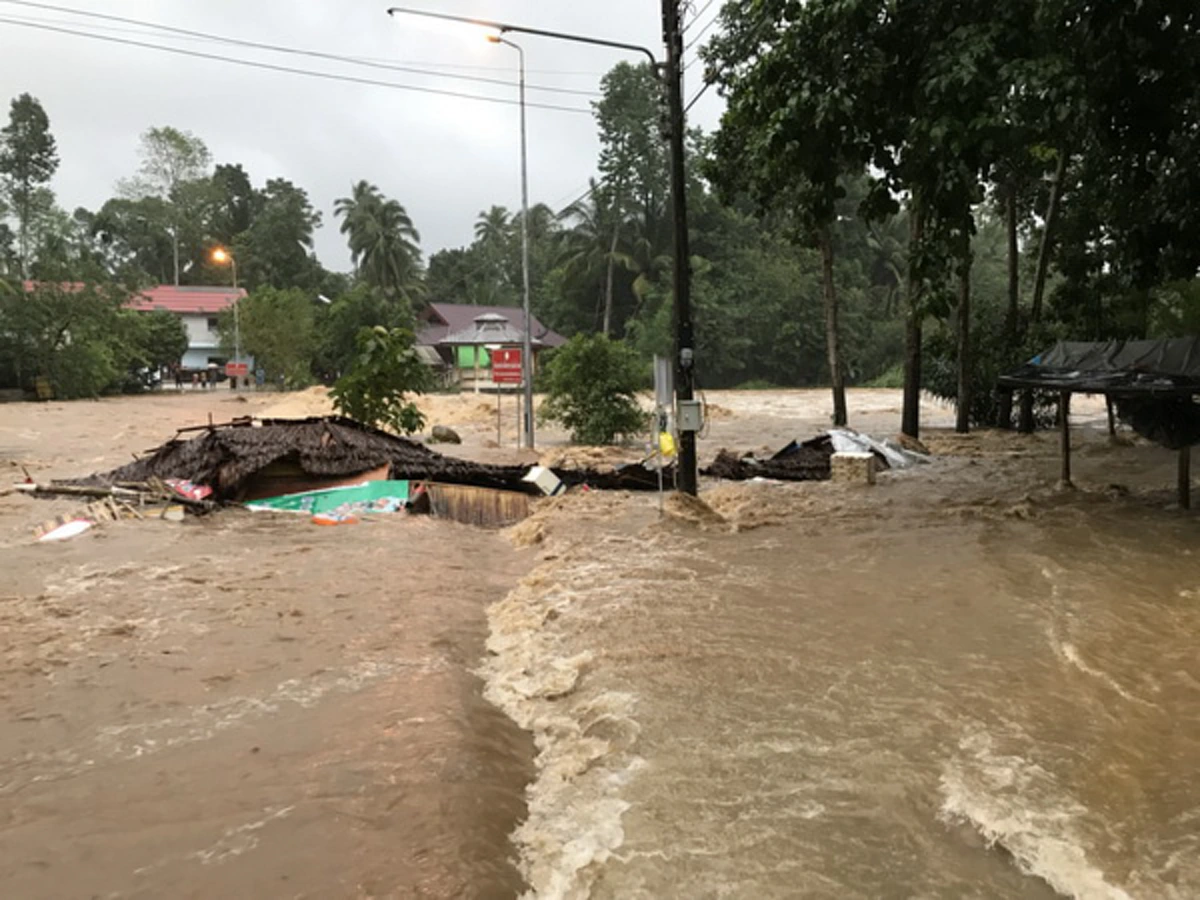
(960, 683)
(941, 691)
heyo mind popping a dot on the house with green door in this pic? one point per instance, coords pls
(462, 337)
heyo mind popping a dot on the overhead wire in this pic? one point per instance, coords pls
(192, 34)
(696, 18)
(150, 29)
(311, 73)
(700, 34)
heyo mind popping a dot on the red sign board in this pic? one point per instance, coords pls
(237, 370)
(506, 365)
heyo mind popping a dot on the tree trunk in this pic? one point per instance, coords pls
(1004, 417)
(829, 291)
(910, 418)
(1043, 263)
(608, 284)
(175, 252)
(962, 419)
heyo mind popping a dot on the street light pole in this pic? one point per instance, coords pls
(527, 354)
(237, 317)
(672, 74)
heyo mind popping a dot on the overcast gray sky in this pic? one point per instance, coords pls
(444, 158)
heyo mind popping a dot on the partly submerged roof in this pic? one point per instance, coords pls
(188, 299)
(1166, 366)
(445, 319)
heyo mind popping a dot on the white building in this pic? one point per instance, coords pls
(199, 307)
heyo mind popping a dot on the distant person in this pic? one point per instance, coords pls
(260, 378)
(195, 380)
(177, 371)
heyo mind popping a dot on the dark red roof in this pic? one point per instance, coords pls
(196, 299)
(443, 319)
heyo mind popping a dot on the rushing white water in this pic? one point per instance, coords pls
(910, 692)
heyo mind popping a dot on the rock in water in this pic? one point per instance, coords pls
(444, 435)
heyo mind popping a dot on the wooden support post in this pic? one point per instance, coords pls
(1025, 419)
(1185, 477)
(1064, 424)
(1112, 415)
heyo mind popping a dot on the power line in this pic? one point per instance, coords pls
(699, 34)
(699, 13)
(149, 31)
(291, 51)
(311, 73)
(698, 95)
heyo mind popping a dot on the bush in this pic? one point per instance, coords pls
(892, 378)
(385, 369)
(593, 384)
(992, 356)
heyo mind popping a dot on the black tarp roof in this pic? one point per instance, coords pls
(1130, 368)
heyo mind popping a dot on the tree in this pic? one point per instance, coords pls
(67, 334)
(592, 384)
(339, 324)
(235, 203)
(634, 167)
(383, 240)
(277, 248)
(147, 342)
(173, 170)
(278, 330)
(385, 370)
(28, 160)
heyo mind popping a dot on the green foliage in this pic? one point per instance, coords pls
(69, 336)
(383, 240)
(276, 249)
(146, 343)
(592, 383)
(278, 330)
(28, 160)
(385, 370)
(339, 323)
(893, 378)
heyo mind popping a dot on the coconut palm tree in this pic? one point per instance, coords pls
(383, 240)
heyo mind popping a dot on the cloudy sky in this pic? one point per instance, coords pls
(444, 157)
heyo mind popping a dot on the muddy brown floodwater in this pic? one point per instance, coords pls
(243, 706)
(961, 682)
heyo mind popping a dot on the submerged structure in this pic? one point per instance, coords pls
(1151, 384)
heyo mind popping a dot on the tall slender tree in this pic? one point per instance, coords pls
(384, 243)
(28, 160)
(173, 170)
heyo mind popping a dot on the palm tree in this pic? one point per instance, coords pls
(493, 227)
(383, 240)
(591, 244)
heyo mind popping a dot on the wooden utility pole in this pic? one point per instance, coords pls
(684, 338)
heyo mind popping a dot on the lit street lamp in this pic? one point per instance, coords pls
(671, 74)
(527, 354)
(221, 256)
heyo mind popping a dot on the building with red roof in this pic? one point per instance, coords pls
(200, 307)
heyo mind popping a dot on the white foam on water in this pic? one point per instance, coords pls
(1015, 804)
(584, 734)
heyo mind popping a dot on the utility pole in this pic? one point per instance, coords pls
(684, 338)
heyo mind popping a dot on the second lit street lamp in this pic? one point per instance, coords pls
(221, 257)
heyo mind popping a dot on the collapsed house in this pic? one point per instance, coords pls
(250, 459)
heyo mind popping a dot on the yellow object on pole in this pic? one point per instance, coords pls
(666, 443)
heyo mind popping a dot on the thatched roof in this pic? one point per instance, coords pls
(224, 457)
